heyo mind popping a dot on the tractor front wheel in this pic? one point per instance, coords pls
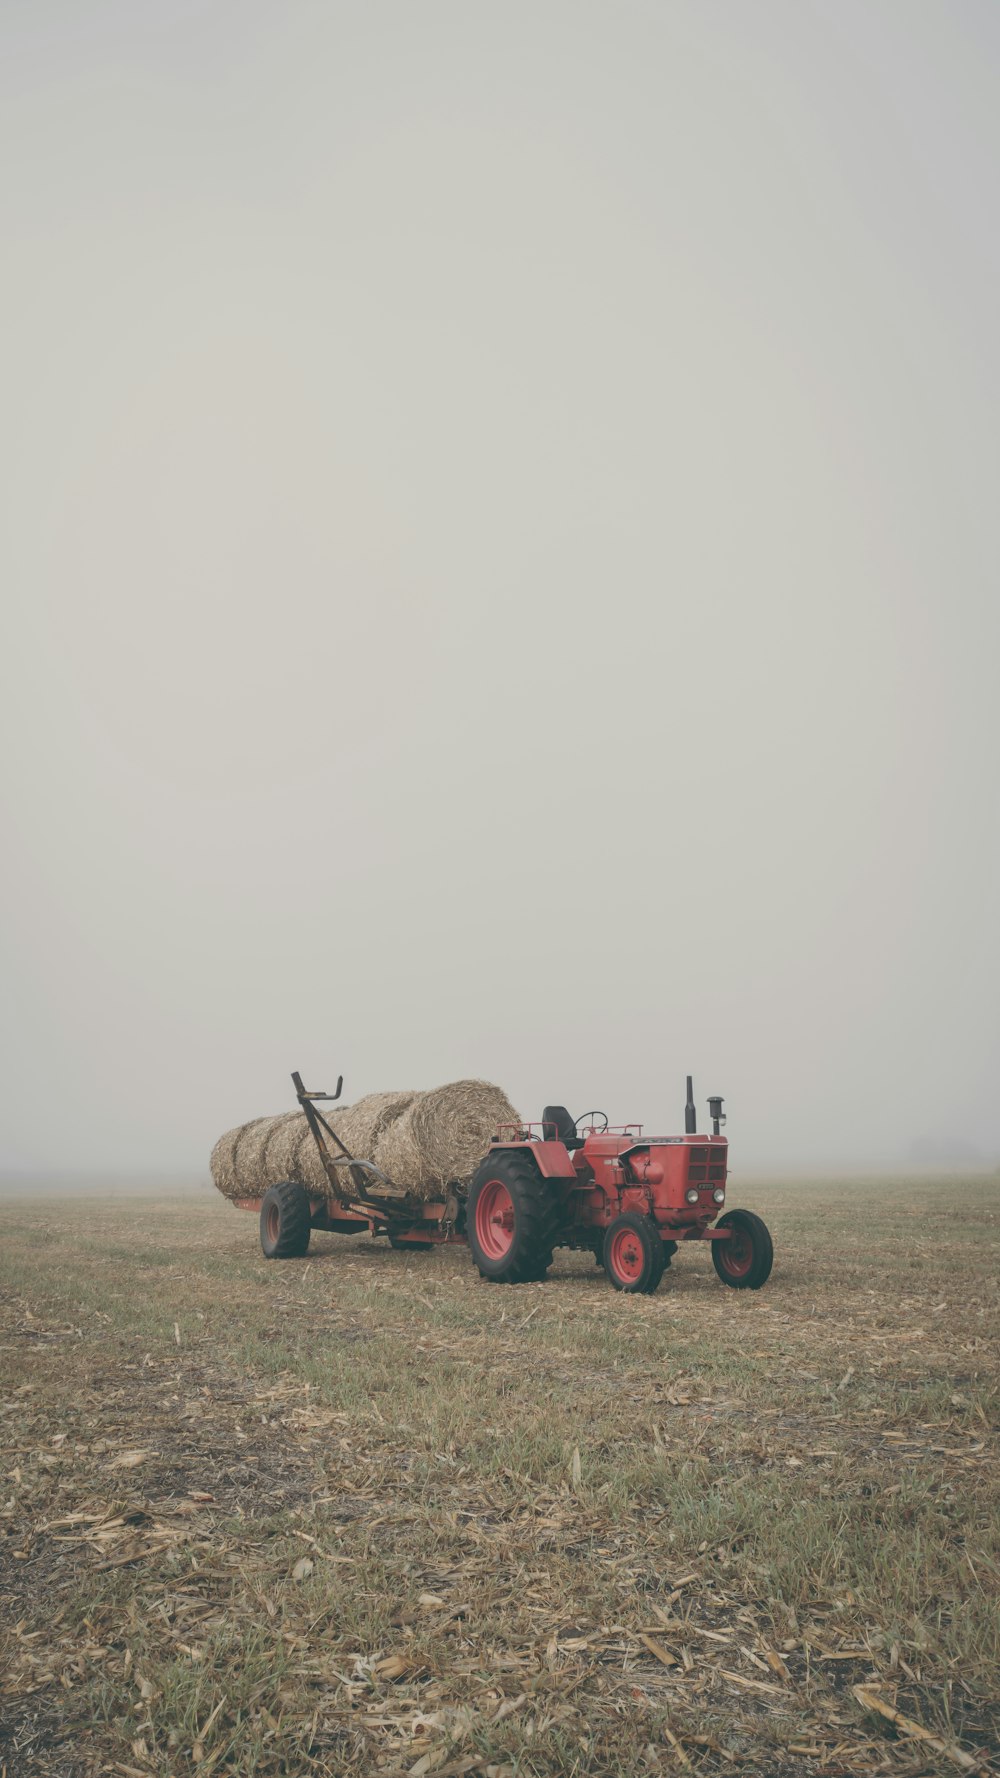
(511, 1219)
(744, 1259)
(285, 1222)
(633, 1254)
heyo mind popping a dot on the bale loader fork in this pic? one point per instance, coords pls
(345, 1159)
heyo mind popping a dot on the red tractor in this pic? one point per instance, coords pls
(571, 1182)
(631, 1199)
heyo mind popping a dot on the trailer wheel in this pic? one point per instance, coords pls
(511, 1220)
(744, 1261)
(633, 1254)
(285, 1222)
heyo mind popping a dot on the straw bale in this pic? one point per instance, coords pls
(286, 1146)
(250, 1161)
(309, 1169)
(292, 1154)
(220, 1163)
(361, 1127)
(224, 1162)
(423, 1142)
(442, 1137)
(245, 1161)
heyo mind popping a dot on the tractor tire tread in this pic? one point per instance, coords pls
(656, 1258)
(294, 1219)
(539, 1216)
(763, 1251)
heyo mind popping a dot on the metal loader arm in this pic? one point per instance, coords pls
(358, 1169)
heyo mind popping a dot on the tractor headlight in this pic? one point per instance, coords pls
(692, 1196)
(719, 1194)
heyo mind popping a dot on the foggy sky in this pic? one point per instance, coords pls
(499, 559)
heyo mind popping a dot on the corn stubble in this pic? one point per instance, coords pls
(359, 1515)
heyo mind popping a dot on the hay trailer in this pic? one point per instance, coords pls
(629, 1199)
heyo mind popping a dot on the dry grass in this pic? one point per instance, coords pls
(363, 1514)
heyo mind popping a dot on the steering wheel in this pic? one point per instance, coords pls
(583, 1119)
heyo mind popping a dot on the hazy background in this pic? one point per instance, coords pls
(500, 566)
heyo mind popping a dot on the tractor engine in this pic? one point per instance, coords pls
(685, 1177)
(678, 1181)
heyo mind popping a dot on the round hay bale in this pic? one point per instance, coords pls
(285, 1147)
(422, 1142)
(251, 1157)
(245, 1161)
(220, 1163)
(264, 1152)
(362, 1126)
(292, 1153)
(226, 1159)
(274, 1146)
(309, 1169)
(441, 1138)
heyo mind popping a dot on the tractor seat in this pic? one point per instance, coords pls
(559, 1126)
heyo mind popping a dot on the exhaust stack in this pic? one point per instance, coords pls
(690, 1115)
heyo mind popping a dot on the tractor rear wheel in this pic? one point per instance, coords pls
(511, 1220)
(744, 1260)
(634, 1258)
(285, 1222)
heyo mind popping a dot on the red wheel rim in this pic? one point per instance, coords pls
(627, 1256)
(495, 1219)
(273, 1222)
(736, 1254)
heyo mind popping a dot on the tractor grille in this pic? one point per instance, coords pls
(707, 1166)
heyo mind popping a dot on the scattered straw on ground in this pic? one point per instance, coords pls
(363, 1515)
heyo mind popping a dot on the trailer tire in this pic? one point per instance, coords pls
(633, 1254)
(744, 1261)
(285, 1221)
(512, 1219)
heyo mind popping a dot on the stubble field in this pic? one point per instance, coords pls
(363, 1514)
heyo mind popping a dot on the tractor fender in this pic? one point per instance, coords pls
(551, 1158)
